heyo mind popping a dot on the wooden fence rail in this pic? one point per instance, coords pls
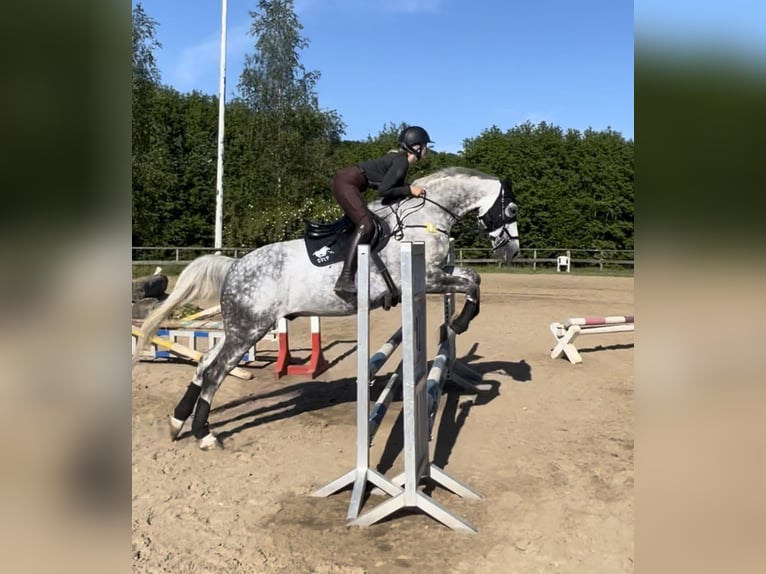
(528, 257)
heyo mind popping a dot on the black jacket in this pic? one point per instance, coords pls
(386, 175)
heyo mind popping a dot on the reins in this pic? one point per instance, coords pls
(440, 206)
(398, 231)
(490, 221)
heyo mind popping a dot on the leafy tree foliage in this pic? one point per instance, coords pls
(290, 138)
(146, 79)
(574, 189)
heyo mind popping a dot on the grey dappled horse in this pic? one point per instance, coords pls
(278, 280)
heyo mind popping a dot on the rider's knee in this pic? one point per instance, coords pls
(365, 230)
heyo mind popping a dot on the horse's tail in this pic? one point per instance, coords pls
(201, 279)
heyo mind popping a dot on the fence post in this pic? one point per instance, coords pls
(534, 259)
(601, 259)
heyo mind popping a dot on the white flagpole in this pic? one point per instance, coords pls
(221, 109)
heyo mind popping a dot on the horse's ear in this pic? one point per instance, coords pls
(508, 184)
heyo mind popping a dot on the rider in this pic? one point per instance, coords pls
(385, 175)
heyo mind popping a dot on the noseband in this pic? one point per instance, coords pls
(502, 212)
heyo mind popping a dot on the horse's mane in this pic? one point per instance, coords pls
(450, 172)
(453, 172)
(442, 174)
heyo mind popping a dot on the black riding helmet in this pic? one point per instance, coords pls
(414, 139)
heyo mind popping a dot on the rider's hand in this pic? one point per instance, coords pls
(417, 191)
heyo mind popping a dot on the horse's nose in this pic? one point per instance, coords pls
(510, 251)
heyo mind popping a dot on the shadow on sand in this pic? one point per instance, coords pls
(307, 396)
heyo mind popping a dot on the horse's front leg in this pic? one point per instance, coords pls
(458, 280)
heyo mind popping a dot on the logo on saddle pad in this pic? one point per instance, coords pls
(328, 243)
(325, 251)
(322, 255)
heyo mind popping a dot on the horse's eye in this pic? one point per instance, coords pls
(511, 210)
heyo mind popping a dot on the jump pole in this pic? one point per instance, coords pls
(566, 333)
(184, 351)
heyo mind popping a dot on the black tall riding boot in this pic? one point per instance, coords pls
(345, 287)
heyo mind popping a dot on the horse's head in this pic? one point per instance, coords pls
(500, 222)
(456, 191)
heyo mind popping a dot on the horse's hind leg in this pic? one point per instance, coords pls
(235, 345)
(185, 406)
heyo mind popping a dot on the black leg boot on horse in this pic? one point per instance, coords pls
(345, 287)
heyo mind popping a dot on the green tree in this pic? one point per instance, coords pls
(183, 158)
(146, 80)
(574, 190)
(289, 143)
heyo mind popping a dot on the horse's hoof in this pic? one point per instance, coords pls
(210, 442)
(175, 427)
(459, 325)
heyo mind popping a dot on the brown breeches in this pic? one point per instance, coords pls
(348, 189)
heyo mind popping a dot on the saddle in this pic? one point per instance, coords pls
(328, 243)
(321, 230)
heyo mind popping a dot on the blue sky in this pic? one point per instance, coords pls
(452, 66)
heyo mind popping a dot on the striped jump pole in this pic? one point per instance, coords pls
(380, 408)
(436, 379)
(377, 360)
(381, 355)
(566, 332)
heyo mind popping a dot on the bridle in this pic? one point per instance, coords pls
(502, 212)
